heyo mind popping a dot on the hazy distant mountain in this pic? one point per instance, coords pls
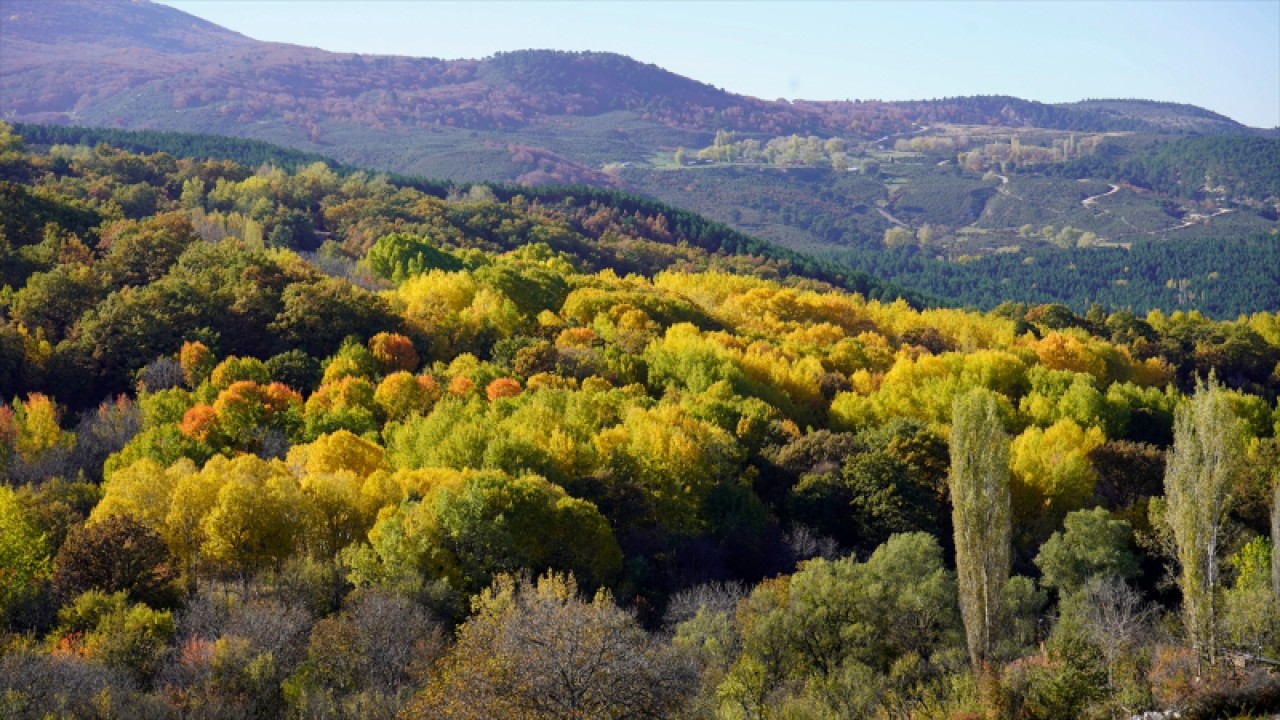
(128, 24)
(133, 63)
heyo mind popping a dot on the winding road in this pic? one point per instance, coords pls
(1094, 198)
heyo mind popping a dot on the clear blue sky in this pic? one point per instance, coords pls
(1222, 55)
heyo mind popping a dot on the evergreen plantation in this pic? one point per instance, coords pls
(321, 443)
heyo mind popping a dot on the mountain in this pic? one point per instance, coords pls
(134, 25)
(133, 63)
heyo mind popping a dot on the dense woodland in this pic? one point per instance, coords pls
(307, 443)
(1221, 278)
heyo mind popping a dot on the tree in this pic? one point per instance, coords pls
(393, 352)
(255, 521)
(1275, 540)
(842, 629)
(107, 628)
(116, 554)
(673, 457)
(23, 561)
(317, 316)
(494, 523)
(1251, 613)
(197, 362)
(1208, 445)
(1114, 619)
(538, 651)
(378, 645)
(981, 517)
(1094, 544)
(898, 236)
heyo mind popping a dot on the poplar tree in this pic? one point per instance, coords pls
(1275, 540)
(1208, 445)
(980, 514)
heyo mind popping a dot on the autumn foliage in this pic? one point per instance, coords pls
(482, 489)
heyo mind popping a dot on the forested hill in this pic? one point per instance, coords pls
(1197, 167)
(1222, 277)
(133, 63)
(683, 227)
(1177, 117)
(311, 444)
(241, 151)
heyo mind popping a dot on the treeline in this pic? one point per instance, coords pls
(1221, 278)
(553, 459)
(717, 237)
(243, 151)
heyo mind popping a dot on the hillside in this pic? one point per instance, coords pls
(1175, 117)
(557, 386)
(336, 220)
(313, 443)
(962, 177)
(1222, 274)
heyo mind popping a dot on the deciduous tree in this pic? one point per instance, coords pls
(537, 651)
(981, 517)
(1208, 446)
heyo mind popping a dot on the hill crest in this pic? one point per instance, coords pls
(62, 62)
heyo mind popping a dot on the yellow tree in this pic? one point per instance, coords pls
(1052, 475)
(675, 458)
(256, 519)
(23, 556)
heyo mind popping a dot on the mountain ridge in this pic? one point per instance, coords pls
(190, 64)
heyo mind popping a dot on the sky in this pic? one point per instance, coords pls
(1222, 55)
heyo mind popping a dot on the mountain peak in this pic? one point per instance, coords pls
(133, 24)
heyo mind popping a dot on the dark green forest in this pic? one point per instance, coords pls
(1221, 278)
(1189, 167)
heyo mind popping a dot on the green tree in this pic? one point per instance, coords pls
(23, 556)
(398, 256)
(846, 632)
(107, 628)
(1208, 447)
(1093, 544)
(1251, 612)
(981, 517)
